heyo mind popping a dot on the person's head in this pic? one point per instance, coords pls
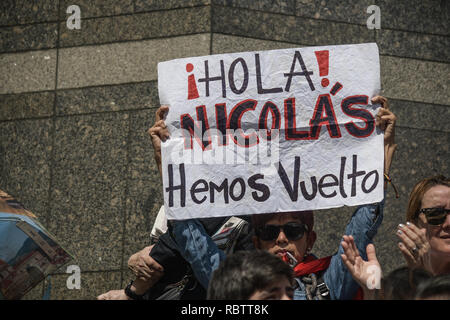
(428, 207)
(251, 275)
(436, 288)
(402, 283)
(279, 233)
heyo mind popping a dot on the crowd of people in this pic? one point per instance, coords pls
(269, 255)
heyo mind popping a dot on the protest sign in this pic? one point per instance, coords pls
(271, 131)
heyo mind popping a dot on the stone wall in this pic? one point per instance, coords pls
(75, 106)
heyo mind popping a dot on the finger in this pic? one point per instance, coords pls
(161, 124)
(406, 240)
(410, 259)
(165, 133)
(152, 264)
(381, 100)
(347, 263)
(421, 233)
(159, 132)
(411, 235)
(354, 248)
(161, 112)
(145, 272)
(348, 251)
(371, 254)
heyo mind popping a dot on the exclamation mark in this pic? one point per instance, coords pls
(322, 60)
(192, 86)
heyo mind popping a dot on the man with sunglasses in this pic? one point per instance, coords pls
(425, 239)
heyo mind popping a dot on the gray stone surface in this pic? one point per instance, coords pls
(413, 45)
(416, 80)
(124, 62)
(278, 27)
(277, 6)
(335, 10)
(432, 16)
(144, 185)
(23, 11)
(26, 105)
(28, 37)
(92, 285)
(89, 188)
(138, 26)
(107, 98)
(25, 161)
(96, 8)
(423, 116)
(28, 71)
(149, 5)
(222, 43)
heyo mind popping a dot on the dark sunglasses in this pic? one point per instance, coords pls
(292, 230)
(435, 216)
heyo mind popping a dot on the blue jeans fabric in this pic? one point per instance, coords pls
(197, 248)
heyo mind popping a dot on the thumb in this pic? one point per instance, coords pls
(371, 254)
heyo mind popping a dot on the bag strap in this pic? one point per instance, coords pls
(228, 234)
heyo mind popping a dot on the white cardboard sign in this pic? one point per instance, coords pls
(271, 131)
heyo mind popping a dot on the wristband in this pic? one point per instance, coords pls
(132, 294)
(389, 180)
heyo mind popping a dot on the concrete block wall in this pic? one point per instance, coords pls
(75, 106)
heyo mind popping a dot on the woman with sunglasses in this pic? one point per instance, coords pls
(425, 239)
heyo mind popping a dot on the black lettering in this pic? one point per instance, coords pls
(361, 114)
(375, 183)
(305, 72)
(259, 187)
(182, 187)
(234, 122)
(329, 184)
(305, 194)
(355, 174)
(276, 118)
(341, 177)
(290, 122)
(231, 76)
(191, 129)
(261, 90)
(324, 104)
(233, 184)
(223, 187)
(195, 190)
(292, 190)
(221, 122)
(207, 79)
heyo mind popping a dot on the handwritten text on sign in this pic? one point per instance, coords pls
(271, 131)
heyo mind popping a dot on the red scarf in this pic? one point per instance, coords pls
(313, 265)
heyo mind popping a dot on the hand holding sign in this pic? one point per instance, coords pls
(159, 132)
(385, 119)
(272, 131)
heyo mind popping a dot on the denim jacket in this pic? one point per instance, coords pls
(363, 227)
